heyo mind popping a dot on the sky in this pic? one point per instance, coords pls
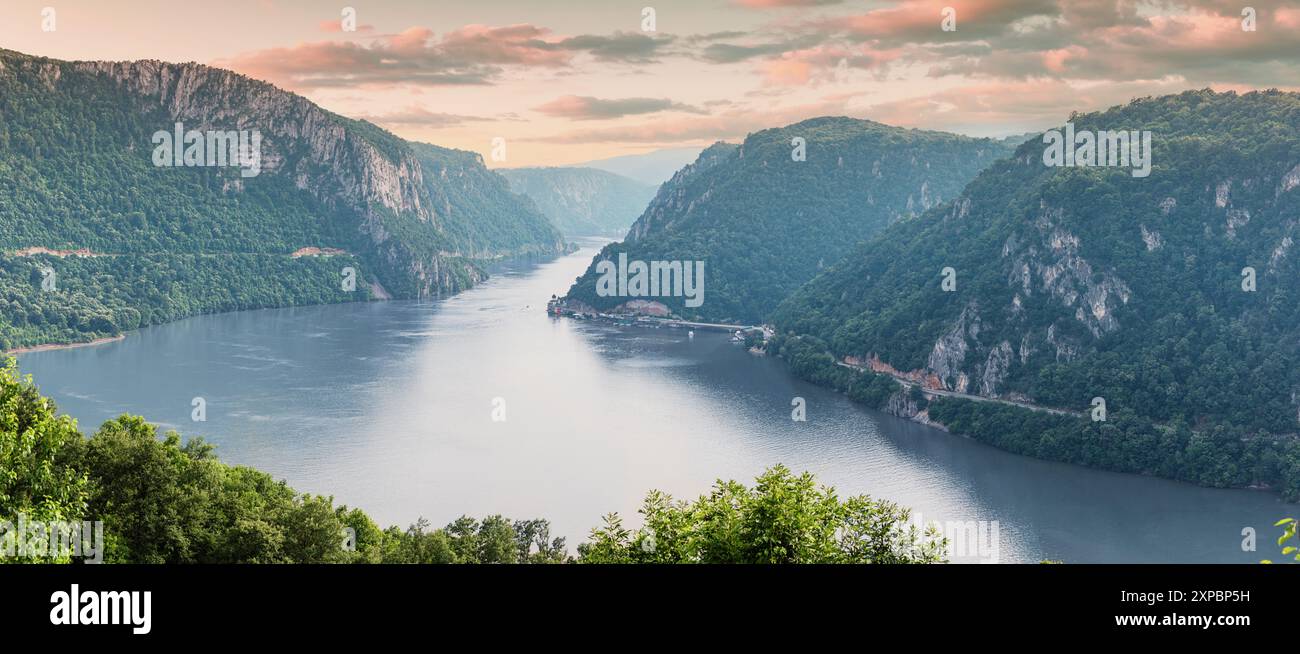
(565, 81)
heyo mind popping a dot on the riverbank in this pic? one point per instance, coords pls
(388, 406)
(1119, 441)
(62, 346)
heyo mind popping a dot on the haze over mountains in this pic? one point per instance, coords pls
(582, 201)
(650, 168)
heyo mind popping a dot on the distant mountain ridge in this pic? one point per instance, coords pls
(649, 168)
(764, 222)
(582, 201)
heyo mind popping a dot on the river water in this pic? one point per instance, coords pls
(390, 406)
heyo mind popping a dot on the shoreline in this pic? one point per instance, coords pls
(62, 346)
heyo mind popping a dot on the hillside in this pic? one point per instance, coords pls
(582, 201)
(80, 170)
(1074, 283)
(763, 223)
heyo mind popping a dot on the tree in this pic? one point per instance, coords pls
(784, 518)
(35, 481)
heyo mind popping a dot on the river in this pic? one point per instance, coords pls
(390, 406)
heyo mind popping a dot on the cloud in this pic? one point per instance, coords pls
(473, 54)
(1200, 41)
(337, 26)
(576, 107)
(1012, 106)
(771, 4)
(628, 47)
(726, 53)
(800, 67)
(1102, 40)
(690, 130)
(415, 116)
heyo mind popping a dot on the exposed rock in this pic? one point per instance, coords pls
(369, 176)
(1289, 181)
(1221, 193)
(1151, 238)
(1280, 252)
(995, 369)
(1237, 218)
(1066, 348)
(949, 352)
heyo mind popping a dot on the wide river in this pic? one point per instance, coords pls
(389, 406)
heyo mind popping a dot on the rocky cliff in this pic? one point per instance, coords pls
(421, 216)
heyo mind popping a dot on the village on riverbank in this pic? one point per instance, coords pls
(641, 313)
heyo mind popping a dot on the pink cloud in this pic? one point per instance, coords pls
(473, 54)
(333, 26)
(770, 4)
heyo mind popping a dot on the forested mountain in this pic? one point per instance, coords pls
(582, 201)
(80, 171)
(1172, 297)
(766, 215)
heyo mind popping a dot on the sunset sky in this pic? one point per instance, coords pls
(570, 81)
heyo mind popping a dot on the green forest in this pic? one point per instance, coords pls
(169, 500)
(1075, 283)
(764, 223)
(76, 174)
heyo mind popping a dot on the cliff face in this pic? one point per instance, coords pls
(1168, 295)
(420, 215)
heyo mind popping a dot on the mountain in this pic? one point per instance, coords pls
(582, 201)
(1171, 297)
(650, 168)
(763, 223)
(144, 232)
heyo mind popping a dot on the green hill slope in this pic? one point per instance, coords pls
(1074, 283)
(78, 172)
(764, 223)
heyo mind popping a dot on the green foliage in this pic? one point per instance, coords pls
(164, 500)
(1288, 534)
(105, 296)
(784, 519)
(1199, 376)
(808, 359)
(76, 173)
(33, 438)
(764, 224)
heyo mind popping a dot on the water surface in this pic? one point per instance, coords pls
(389, 406)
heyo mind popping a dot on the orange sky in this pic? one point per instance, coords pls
(565, 82)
